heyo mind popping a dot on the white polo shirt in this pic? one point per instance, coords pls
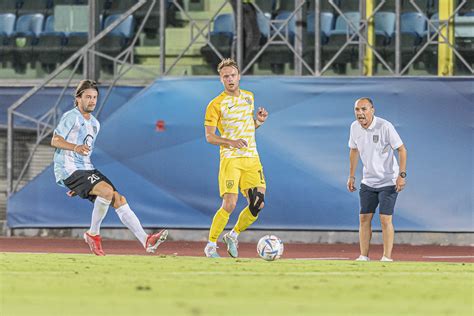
(376, 146)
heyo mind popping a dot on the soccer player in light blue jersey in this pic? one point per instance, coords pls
(74, 140)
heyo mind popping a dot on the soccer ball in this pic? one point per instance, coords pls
(270, 247)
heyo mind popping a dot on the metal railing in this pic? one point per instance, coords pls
(47, 122)
(201, 29)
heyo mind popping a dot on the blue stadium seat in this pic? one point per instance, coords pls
(27, 30)
(277, 55)
(49, 50)
(384, 24)
(7, 27)
(263, 23)
(117, 40)
(221, 38)
(326, 21)
(7, 24)
(413, 28)
(338, 37)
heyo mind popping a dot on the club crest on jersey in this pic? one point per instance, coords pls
(248, 100)
(375, 138)
(229, 184)
(95, 129)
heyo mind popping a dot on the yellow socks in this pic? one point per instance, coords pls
(218, 224)
(245, 220)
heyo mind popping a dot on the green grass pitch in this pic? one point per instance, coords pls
(66, 284)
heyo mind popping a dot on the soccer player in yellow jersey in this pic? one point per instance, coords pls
(232, 113)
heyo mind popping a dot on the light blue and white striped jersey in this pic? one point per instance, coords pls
(74, 128)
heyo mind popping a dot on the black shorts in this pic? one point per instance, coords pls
(370, 198)
(83, 181)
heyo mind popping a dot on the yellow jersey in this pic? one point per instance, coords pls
(233, 117)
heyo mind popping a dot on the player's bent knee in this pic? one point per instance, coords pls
(256, 201)
(118, 200)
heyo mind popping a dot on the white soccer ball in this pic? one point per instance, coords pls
(270, 247)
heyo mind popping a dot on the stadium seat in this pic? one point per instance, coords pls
(384, 24)
(221, 38)
(326, 26)
(7, 27)
(49, 50)
(263, 23)
(117, 40)
(27, 30)
(276, 55)
(338, 37)
(152, 25)
(413, 28)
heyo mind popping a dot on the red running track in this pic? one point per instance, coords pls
(431, 253)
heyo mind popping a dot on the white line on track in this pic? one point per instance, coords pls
(448, 257)
(329, 258)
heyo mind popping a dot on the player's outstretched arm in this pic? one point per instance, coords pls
(214, 139)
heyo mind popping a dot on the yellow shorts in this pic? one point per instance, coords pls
(243, 173)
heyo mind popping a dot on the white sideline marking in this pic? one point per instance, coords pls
(448, 257)
(329, 258)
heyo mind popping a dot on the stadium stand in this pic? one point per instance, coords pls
(338, 37)
(221, 38)
(277, 53)
(413, 27)
(7, 27)
(117, 40)
(49, 49)
(326, 25)
(27, 30)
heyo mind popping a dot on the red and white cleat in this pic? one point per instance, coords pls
(154, 240)
(95, 244)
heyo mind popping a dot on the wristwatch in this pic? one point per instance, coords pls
(403, 174)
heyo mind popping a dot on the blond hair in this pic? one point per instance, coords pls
(227, 62)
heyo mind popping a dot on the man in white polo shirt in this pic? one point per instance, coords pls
(375, 140)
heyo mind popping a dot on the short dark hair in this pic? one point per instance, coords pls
(366, 99)
(84, 85)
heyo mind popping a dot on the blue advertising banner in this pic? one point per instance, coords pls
(169, 173)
